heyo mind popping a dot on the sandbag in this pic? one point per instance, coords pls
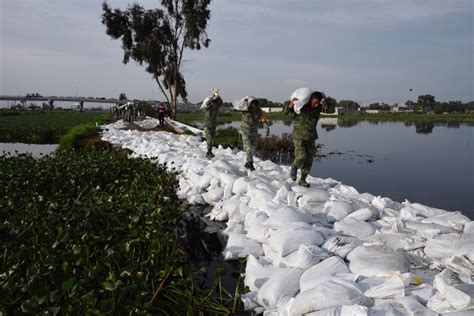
(313, 195)
(452, 219)
(354, 228)
(337, 210)
(302, 95)
(285, 216)
(257, 272)
(239, 246)
(240, 186)
(279, 288)
(416, 209)
(469, 228)
(341, 245)
(450, 245)
(212, 196)
(377, 260)
(288, 238)
(451, 295)
(332, 293)
(305, 257)
(408, 305)
(322, 271)
(391, 288)
(243, 104)
(362, 214)
(354, 310)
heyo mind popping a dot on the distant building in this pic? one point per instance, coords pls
(272, 109)
(372, 111)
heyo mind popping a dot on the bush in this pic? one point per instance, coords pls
(92, 233)
(72, 139)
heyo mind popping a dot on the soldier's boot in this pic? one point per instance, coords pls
(249, 165)
(209, 154)
(293, 172)
(302, 181)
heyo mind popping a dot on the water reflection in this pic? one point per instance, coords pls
(36, 150)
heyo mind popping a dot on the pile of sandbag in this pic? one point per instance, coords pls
(323, 250)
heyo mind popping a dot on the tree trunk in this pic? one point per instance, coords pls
(174, 103)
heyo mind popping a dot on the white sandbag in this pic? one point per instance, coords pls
(362, 214)
(332, 293)
(377, 260)
(243, 104)
(452, 219)
(302, 95)
(341, 245)
(469, 228)
(213, 195)
(322, 271)
(391, 288)
(459, 264)
(396, 241)
(354, 228)
(239, 246)
(305, 257)
(288, 238)
(259, 233)
(451, 297)
(420, 210)
(249, 300)
(234, 228)
(205, 102)
(422, 292)
(450, 245)
(224, 207)
(337, 210)
(259, 197)
(408, 305)
(279, 288)
(257, 272)
(287, 215)
(354, 310)
(313, 195)
(240, 186)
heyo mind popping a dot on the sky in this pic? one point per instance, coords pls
(365, 50)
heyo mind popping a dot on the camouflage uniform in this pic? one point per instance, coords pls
(210, 120)
(249, 130)
(304, 136)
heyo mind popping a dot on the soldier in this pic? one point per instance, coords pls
(161, 113)
(251, 118)
(211, 107)
(305, 135)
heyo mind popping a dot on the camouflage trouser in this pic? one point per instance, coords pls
(249, 141)
(304, 154)
(210, 133)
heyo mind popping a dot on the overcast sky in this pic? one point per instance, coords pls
(365, 50)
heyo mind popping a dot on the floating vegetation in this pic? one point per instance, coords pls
(93, 232)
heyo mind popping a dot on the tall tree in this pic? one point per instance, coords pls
(157, 38)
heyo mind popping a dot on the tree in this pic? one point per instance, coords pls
(426, 100)
(157, 39)
(122, 96)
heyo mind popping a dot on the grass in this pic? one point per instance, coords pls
(80, 133)
(40, 127)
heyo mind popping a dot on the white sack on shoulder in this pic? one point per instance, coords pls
(303, 95)
(243, 104)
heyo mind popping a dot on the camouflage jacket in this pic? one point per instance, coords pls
(250, 121)
(304, 124)
(210, 112)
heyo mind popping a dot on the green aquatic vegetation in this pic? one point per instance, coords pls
(93, 232)
(40, 127)
(81, 132)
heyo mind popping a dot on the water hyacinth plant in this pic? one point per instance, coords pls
(93, 232)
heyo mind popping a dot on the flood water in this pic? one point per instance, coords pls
(20, 148)
(425, 162)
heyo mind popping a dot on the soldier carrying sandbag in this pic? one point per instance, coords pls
(252, 118)
(305, 107)
(211, 106)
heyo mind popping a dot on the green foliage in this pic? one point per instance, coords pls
(40, 127)
(147, 108)
(93, 233)
(81, 132)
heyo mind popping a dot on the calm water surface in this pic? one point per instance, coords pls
(20, 148)
(425, 162)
